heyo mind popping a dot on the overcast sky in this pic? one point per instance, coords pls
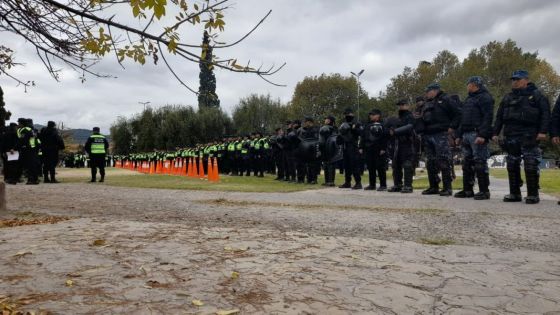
(312, 37)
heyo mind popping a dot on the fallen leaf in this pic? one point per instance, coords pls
(22, 253)
(227, 312)
(69, 283)
(197, 302)
(235, 275)
(99, 242)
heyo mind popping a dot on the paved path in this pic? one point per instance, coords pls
(330, 251)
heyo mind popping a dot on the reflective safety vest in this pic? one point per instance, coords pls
(32, 139)
(98, 144)
(231, 147)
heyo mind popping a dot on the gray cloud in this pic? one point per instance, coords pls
(313, 37)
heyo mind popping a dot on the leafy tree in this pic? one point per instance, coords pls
(169, 127)
(327, 95)
(207, 92)
(258, 113)
(4, 114)
(121, 136)
(78, 33)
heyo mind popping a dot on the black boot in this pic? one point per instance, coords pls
(345, 185)
(514, 178)
(483, 186)
(46, 179)
(432, 179)
(532, 178)
(447, 179)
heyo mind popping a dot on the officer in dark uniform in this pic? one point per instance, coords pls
(555, 125)
(97, 147)
(402, 136)
(308, 152)
(51, 144)
(524, 116)
(12, 169)
(28, 150)
(278, 142)
(474, 133)
(331, 151)
(350, 133)
(292, 152)
(441, 116)
(374, 146)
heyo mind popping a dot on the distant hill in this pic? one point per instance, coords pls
(79, 136)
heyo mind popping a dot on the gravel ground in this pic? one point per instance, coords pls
(329, 251)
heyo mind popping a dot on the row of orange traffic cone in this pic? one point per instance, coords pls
(178, 167)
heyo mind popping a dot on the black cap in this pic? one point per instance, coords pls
(308, 118)
(419, 99)
(21, 121)
(297, 122)
(402, 101)
(288, 122)
(348, 110)
(331, 118)
(433, 86)
(51, 124)
(96, 129)
(374, 112)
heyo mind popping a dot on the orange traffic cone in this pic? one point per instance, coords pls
(184, 172)
(216, 170)
(200, 168)
(195, 168)
(210, 170)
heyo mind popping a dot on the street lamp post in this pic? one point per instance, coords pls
(144, 103)
(358, 79)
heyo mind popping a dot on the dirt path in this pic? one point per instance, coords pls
(312, 252)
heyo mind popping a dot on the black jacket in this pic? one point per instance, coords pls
(440, 114)
(476, 114)
(51, 142)
(555, 120)
(374, 136)
(523, 112)
(403, 127)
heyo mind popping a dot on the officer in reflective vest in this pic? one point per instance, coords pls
(28, 148)
(97, 147)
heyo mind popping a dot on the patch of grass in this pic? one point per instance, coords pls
(126, 178)
(550, 179)
(437, 241)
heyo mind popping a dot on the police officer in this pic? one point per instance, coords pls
(51, 144)
(524, 116)
(474, 133)
(331, 151)
(374, 146)
(440, 117)
(555, 125)
(12, 169)
(29, 150)
(308, 152)
(402, 136)
(292, 152)
(278, 141)
(97, 147)
(350, 132)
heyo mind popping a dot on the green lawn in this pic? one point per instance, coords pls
(550, 179)
(126, 178)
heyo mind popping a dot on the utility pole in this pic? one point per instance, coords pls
(358, 80)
